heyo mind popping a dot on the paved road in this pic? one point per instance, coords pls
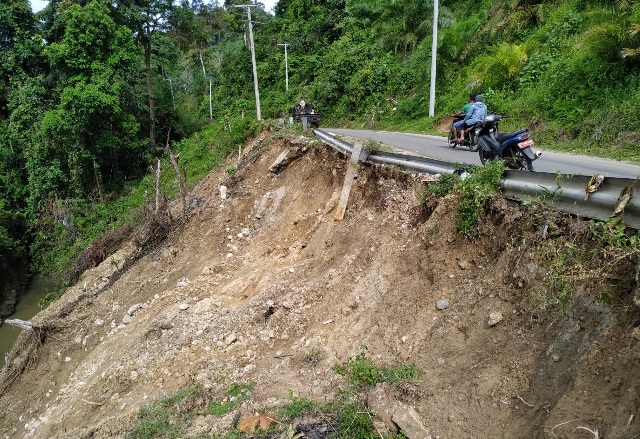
(435, 147)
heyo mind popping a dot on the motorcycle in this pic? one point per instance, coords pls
(513, 148)
(470, 135)
(307, 111)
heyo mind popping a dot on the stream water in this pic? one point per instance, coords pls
(26, 308)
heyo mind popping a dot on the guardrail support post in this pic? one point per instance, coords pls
(304, 123)
(352, 168)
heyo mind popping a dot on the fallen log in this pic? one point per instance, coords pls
(22, 324)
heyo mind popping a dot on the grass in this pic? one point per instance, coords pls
(362, 373)
(473, 192)
(600, 259)
(429, 234)
(297, 406)
(169, 417)
(313, 356)
(347, 414)
(236, 394)
(441, 187)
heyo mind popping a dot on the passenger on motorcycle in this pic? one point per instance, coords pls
(457, 125)
(476, 115)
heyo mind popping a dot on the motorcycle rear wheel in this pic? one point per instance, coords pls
(524, 162)
(473, 142)
(451, 142)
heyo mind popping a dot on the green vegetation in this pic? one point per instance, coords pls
(442, 186)
(236, 394)
(313, 356)
(297, 406)
(168, 417)
(163, 418)
(479, 184)
(48, 299)
(474, 191)
(601, 259)
(348, 415)
(362, 372)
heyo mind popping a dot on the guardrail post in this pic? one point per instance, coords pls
(304, 123)
(352, 167)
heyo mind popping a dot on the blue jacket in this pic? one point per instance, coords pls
(477, 114)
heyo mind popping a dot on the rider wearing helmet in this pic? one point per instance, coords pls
(476, 115)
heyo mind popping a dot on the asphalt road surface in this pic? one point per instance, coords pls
(436, 147)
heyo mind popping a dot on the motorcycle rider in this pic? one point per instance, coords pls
(476, 115)
(465, 109)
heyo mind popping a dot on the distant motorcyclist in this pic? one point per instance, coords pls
(477, 114)
(302, 108)
(465, 109)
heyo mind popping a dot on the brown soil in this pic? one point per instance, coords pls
(253, 283)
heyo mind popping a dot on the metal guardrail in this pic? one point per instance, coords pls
(569, 193)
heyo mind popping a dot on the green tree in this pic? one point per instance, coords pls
(146, 18)
(90, 126)
(20, 60)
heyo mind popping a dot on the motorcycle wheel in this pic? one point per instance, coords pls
(526, 163)
(483, 159)
(473, 142)
(450, 141)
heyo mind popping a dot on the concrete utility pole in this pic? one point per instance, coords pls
(253, 57)
(286, 64)
(434, 51)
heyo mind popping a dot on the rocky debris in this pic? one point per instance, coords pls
(494, 318)
(442, 304)
(132, 310)
(313, 429)
(302, 294)
(286, 157)
(396, 415)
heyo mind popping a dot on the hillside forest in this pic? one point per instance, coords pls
(93, 92)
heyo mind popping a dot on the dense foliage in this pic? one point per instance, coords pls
(90, 90)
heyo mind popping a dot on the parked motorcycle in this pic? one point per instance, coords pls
(513, 148)
(470, 135)
(307, 111)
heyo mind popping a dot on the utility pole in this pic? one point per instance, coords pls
(286, 64)
(434, 51)
(253, 57)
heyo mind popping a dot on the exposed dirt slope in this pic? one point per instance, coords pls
(254, 282)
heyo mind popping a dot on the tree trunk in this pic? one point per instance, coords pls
(181, 179)
(152, 101)
(96, 176)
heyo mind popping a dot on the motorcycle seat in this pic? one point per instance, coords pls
(505, 136)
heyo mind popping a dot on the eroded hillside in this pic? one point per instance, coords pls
(253, 283)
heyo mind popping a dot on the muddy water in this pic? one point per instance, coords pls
(26, 308)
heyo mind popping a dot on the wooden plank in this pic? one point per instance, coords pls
(352, 169)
